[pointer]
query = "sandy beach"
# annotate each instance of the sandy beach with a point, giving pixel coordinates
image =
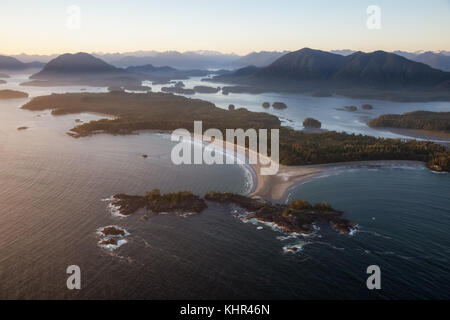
(271, 187)
(275, 187)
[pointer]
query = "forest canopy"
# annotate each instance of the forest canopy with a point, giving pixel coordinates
(422, 120)
(160, 111)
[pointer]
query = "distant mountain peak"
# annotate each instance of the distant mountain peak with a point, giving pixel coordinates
(75, 63)
(10, 63)
(378, 69)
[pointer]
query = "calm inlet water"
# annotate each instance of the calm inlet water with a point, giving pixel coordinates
(51, 205)
(327, 110)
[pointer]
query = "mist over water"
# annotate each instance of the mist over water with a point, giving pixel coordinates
(51, 205)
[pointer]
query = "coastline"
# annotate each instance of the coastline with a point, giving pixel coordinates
(278, 187)
(439, 137)
(336, 168)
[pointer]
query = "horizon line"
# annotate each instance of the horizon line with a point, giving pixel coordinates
(212, 51)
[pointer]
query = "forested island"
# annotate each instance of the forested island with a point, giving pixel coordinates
(420, 120)
(160, 111)
(206, 89)
(178, 90)
(311, 123)
(279, 105)
(299, 216)
(155, 202)
(300, 148)
(147, 111)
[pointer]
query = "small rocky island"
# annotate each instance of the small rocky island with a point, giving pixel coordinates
(12, 94)
(367, 107)
(241, 89)
(351, 108)
(310, 123)
(279, 105)
(177, 90)
(206, 89)
(266, 105)
(298, 217)
(112, 237)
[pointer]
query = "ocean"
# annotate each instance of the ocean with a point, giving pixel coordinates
(51, 205)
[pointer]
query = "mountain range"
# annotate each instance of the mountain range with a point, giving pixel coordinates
(13, 64)
(166, 73)
(378, 74)
(175, 59)
(312, 70)
(216, 60)
(258, 59)
(82, 69)
(438, 60)
(85, 69)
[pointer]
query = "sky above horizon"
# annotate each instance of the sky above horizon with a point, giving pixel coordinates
(231, 26)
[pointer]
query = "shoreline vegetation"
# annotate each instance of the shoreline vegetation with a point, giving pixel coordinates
(297, 217)
(172, 112)
(417, 120)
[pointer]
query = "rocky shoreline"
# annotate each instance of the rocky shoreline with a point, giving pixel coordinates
(297, 217)
(112, 237)
(180, 202)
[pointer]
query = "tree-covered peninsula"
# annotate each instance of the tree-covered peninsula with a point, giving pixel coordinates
(159, 111)
(420, 120)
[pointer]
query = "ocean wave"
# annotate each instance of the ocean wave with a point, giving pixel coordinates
(245, 217)
(374, 233)
(329, 245)
(288, 237)
(354, 230)
(437, 172)
(294, 248)
(186, 214)
(112, 247)
(114, 209)
(391, 253)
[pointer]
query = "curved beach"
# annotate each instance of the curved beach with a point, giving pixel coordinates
(276, 187)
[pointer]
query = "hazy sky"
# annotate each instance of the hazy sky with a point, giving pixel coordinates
(239, 26)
